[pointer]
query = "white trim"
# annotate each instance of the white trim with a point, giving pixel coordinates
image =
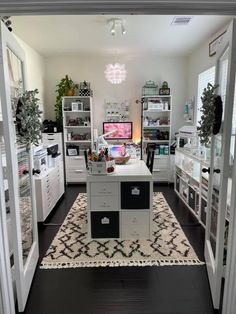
(55, 7)
(6, 287)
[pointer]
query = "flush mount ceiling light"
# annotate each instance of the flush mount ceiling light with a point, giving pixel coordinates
(115, 73)
(116, 24)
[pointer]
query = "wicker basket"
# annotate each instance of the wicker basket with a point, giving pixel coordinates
(122, 160)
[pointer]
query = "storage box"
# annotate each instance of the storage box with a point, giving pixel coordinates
(155, 105)
(101, 167)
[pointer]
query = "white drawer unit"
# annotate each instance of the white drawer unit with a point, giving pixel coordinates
(104, 188)
(104, 202)
(75, 162)
(75, 170)
(135, 217)
(49, 187)
(53, 138)
(134, 231)
(160, 174)
(120, 205)
(161, 163)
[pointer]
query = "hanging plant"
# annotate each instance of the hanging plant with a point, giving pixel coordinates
(28, 122)
(211, 114)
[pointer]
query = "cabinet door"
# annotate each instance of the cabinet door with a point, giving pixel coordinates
(105, 224)
(135, 195)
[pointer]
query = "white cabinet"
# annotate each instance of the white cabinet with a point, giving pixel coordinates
(78, 135)
(49, 187)
(120, 206)
(156, 131)
(53, 138)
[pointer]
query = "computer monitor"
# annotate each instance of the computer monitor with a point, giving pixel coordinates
(122, 130)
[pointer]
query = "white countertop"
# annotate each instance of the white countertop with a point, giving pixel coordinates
(133, 169)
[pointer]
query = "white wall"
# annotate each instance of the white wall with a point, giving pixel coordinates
(198, 62)
(35, 68)
(140, 69)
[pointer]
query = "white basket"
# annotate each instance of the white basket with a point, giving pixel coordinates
(100, 167)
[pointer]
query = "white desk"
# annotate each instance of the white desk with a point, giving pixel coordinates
(120, 204)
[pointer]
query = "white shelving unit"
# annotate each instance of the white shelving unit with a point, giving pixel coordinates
(78, 135)
(156, 129)
(191, 185)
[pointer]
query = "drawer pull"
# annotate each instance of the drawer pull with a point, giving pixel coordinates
(105, 221)
(80, 171)
(135, 191)
(134, 220)
(135, 233)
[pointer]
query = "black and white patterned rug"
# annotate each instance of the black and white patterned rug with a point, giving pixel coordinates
(71, 248)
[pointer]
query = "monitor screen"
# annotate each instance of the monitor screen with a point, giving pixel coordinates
(122, 130)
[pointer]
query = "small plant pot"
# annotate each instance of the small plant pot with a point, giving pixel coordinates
(70, 92)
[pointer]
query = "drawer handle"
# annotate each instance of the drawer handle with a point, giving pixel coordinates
(105, 221)
(80, 171)
(134, 220)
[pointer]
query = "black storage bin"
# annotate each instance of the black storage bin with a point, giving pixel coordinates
(105, 224)
(203, 212)
(192, 198)
(135, 195)
(177, 182)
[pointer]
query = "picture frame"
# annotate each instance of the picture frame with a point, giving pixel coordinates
(77, 106)
(214, 44)
(72, 151)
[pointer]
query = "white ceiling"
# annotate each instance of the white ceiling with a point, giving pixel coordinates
(146, 34)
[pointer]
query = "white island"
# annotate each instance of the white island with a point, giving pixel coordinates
(120, 204)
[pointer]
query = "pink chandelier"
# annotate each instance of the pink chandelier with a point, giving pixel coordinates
(115, 73)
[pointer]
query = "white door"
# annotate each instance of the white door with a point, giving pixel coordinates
(6, 288)
(219, 178)
(19, 169)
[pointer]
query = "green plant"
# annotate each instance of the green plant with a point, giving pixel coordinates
(65, 85)
(28, 122)
(208, 114)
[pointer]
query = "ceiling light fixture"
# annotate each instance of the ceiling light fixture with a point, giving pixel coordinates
(116, 24)
(113, 31)
(115, 73)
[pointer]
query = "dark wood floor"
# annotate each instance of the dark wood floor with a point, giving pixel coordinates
(127, 290)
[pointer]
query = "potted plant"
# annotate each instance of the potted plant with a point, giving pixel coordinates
(66, 87)
(28, 119)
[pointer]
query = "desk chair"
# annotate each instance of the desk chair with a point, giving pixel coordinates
(150, 157)
(86, 158)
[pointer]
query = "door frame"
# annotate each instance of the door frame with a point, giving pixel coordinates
(160, 7)
(23, 272)
(210, 7)
(6, 287)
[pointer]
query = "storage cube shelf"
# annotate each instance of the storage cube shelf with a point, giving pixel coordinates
(191, 185)
(78, 135)
(156, 129)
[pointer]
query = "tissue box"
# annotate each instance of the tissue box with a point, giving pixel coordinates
(101, 167)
